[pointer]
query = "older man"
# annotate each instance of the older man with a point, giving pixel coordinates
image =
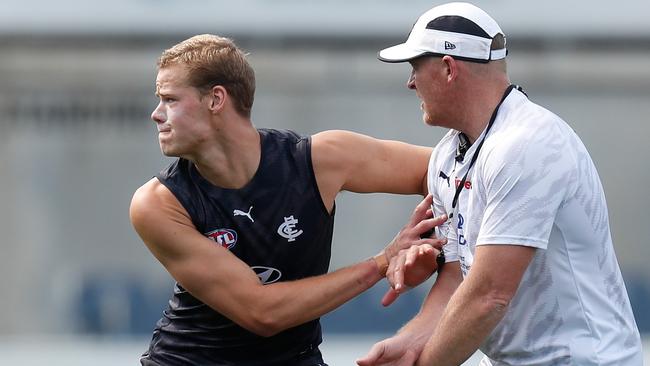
(531, 276)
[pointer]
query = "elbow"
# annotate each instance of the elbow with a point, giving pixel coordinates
(264, 323)
(496, 304)
(258, 311)
(256, 319)
(499, 307)
(264, 327)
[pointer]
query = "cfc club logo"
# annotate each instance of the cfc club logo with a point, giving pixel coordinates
(288, 229)
(227, 238)
(267, 274)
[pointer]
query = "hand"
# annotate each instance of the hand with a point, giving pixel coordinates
(394, 351)
(420, 222)
(408, 269)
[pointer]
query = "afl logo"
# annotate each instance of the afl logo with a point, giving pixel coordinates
(227, 238)
(267, 274)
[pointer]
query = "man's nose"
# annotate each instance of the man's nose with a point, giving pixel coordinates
(410, 83)
(157, 115)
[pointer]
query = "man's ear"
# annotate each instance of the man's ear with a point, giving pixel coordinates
(217, 98)
(451, 68)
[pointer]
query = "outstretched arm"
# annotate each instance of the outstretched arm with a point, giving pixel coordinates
(225, 283)
(345, 160)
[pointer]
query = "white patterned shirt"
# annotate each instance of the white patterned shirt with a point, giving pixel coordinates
(534, 184)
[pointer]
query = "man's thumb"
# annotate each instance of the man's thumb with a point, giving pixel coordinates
(373, 355)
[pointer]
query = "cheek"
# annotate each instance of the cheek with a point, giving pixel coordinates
(177, 116)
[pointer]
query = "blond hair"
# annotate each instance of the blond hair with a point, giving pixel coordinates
(212, 60)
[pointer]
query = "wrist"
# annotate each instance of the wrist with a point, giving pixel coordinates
(381, 260)
(417, 337)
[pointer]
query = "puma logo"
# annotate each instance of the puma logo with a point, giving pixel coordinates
(242, 213)
(445, 177)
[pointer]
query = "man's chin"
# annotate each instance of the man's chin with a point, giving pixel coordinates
(167, 151)
(428, 120)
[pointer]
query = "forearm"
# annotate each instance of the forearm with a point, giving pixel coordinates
(287, 304)
(422, 326)
(478, 305)
(464, 325)
(419, 329)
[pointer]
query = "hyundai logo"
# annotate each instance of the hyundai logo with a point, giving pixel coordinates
(267, 274)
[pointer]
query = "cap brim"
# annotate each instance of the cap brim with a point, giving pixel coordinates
(399, 53)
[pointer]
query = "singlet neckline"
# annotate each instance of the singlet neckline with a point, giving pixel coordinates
(211, 188)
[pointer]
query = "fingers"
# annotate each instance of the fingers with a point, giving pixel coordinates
(395, 272)
(422, 260)
(421, 209)
(409, 268)
(427, 224)
(389, 352)
(412, 235)
(433, 242)
(421, 223)
(420, 254)
(413, 253)
(389, 297)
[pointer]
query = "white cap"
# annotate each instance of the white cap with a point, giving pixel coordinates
(461, 30)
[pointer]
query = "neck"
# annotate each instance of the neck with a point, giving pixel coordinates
(477, 116)
(233, 156)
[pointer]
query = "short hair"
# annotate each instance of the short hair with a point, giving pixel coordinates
(498, 42)
(212, 60)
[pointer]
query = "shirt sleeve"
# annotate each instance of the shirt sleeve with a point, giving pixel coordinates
(525, 184)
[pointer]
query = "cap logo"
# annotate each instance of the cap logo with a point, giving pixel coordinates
(449, 45)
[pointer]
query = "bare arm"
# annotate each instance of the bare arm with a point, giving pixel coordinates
(225, 283)
(345, 160)
(478, 305)
(405, 347)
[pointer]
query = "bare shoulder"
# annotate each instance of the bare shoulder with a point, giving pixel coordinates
(146, 192)
(153, 207)
(149, 198)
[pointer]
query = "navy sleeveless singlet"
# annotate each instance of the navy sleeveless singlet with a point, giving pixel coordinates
(279, 226)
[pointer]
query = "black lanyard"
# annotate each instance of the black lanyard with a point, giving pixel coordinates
(459, 188)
